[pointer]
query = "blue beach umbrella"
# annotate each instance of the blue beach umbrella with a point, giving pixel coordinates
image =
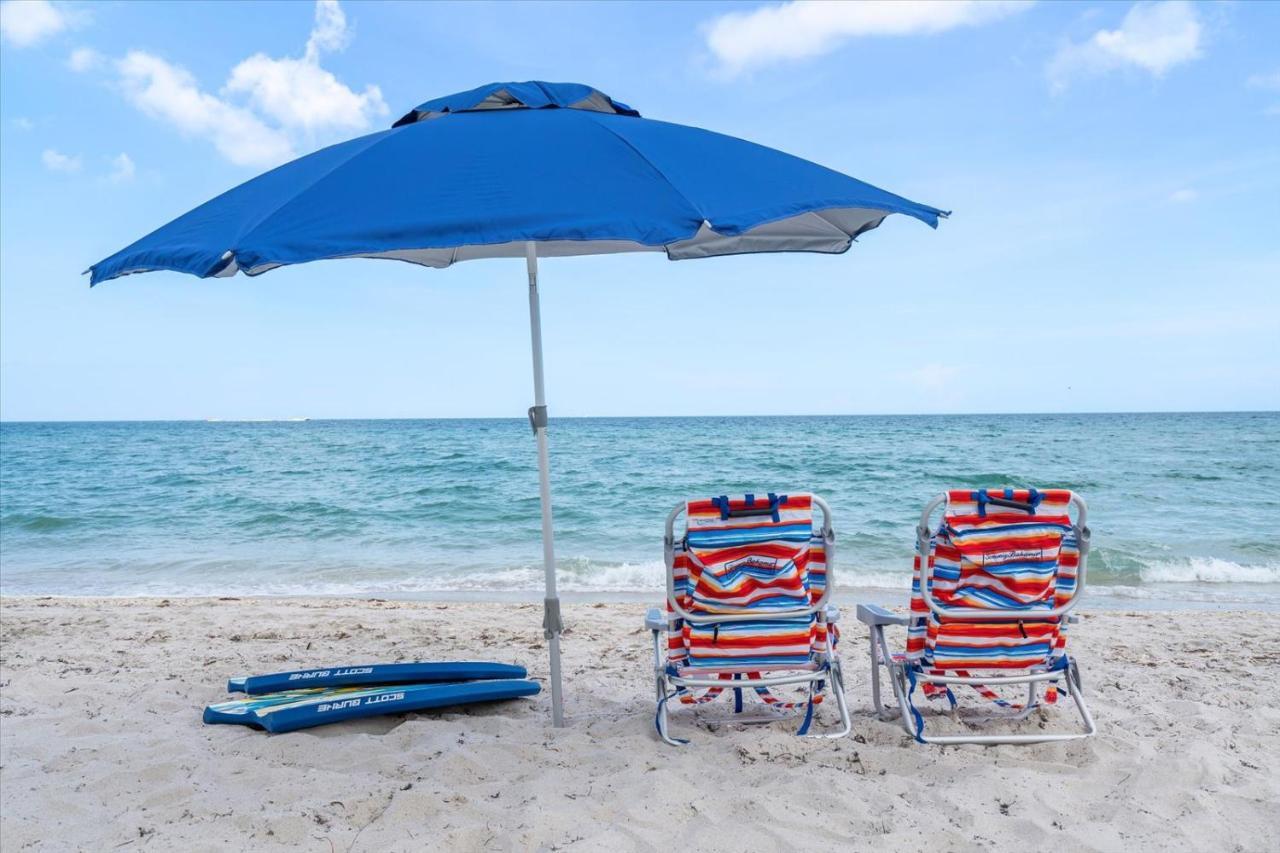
(521, 170)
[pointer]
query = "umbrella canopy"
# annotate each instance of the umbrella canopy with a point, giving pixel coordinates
(481, 173)
(521, 170)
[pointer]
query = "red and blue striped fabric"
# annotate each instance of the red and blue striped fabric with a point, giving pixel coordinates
(750, 564)
(987, 556)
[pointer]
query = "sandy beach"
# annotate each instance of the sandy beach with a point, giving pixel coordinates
(103, 747)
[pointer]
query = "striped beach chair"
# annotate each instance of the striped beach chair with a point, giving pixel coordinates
(747, 609)
(991, 596)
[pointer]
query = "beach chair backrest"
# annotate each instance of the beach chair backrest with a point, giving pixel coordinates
(753, 554)
(1007, 550)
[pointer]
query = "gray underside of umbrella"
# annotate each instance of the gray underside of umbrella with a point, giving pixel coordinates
(826, 231)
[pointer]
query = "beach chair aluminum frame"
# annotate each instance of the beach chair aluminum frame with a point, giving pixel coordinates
(659, 623)
(876, 618)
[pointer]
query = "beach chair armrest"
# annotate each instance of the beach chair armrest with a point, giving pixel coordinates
(870, 614)
(655, 619)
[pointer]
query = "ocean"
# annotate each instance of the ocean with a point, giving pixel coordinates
(1183, 507)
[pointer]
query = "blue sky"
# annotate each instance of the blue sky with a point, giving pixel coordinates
(1114, 171)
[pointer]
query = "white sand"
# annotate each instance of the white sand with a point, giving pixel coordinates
(101, 744)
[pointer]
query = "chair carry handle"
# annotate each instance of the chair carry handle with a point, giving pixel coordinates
(751, 512)
(1025, 507)
(1029, 506)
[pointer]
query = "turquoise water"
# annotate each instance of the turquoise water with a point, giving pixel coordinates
(1182, 505)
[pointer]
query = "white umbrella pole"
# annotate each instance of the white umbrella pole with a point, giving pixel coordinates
(551, 623)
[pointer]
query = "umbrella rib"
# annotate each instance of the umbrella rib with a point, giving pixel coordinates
(303, 190)
(906, 203)
(652, 166)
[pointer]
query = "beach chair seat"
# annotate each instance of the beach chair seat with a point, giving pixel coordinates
(747, 610)
(992, 591)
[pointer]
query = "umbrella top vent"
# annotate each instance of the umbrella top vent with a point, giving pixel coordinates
(531, 95)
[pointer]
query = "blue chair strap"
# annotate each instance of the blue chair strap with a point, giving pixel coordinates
(726, 512)
(808, 716)
(982, 497)
(916, 717)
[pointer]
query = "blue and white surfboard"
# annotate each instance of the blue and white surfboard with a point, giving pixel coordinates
(300, 709)
(375, 673)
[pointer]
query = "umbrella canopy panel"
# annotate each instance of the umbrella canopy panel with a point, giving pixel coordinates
(482, 173)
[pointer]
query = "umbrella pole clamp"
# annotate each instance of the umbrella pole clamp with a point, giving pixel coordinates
(537, 418)
(552, 624)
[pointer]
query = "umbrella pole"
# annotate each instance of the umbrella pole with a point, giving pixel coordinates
(551, 623)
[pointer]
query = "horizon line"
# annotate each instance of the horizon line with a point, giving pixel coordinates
(305, 419)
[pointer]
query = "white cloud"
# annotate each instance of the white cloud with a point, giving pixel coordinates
(84, 59)
(27, 22)
(122, 169)
(23, 123)
(267, 107)
(329, 33)
(1153, 37)
(1183, 196)
(808, 28)
(300, 95)
(170, 93)
(56, 161)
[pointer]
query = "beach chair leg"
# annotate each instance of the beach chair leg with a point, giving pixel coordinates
(1074, 686)
(842, 705)
(881, 657)
(875, 673)
(661, 719)
(1071, 684)
(659, 667)
(662, 722)
(836, 677)
(898, 680)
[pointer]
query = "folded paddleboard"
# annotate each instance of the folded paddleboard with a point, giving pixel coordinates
(376, 673)
(299, 709)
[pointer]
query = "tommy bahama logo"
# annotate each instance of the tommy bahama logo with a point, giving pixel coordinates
(768, 564)
(1015, 556)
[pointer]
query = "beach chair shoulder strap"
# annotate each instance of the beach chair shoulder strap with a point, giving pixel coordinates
(1007, 499)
